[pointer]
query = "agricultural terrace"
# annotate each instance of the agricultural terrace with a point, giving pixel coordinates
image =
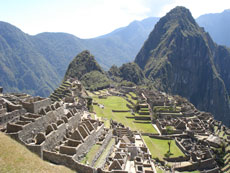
(119, 103)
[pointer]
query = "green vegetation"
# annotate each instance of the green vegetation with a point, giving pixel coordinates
(16, 158)
(159, 147)
(128, 74)
(105, 153)
(132, 72)
(118, 103)
(95, 80)
(90, 155)
(159, 170)
(88, 71)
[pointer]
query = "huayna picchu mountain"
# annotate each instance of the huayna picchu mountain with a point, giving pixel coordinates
(85, 68)
(179, 57)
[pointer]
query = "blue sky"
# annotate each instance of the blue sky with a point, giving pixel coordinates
(91, 18)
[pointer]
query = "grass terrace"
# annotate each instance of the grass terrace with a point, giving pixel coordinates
(159, 147)
(130, 98)
(118, 103)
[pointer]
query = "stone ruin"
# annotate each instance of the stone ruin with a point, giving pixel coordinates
(129, 153)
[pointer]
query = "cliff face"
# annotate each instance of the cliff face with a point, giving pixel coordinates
(180, 58)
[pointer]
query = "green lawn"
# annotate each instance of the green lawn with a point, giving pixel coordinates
(159, 147)
(90, 155)
(118, 103)
(159, 170)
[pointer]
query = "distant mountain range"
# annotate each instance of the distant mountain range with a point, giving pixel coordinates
(218, 26)
(37, 64)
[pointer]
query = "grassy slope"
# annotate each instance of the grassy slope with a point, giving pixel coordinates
(160, 147)
(16, 158)
(118, 103)
(90, 155)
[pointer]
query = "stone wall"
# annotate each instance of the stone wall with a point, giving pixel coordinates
(37, 149)
(203, 164)
(160, 137)
(67, 161)
(8, 116)
(103, 146)
(55, 137)
(40, 125)
(75, 120)
(34, 107)
(181, 147)
(177, 159)
(142, 118)
(120, 110)
(89, 142)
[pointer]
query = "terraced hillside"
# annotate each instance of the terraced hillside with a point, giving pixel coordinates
(115, 108)
(61, 92)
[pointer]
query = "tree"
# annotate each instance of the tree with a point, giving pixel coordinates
(169, 144)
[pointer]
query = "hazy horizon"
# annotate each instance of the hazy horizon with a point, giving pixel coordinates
(93, 18)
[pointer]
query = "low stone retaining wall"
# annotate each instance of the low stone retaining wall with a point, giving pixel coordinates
(144, 113)
(204, 164)
(120, 110)
(149, 134)
(130, 117)
(129, 101)
(142, 118)
(67, 161)
(215, 170)
(161, 137)
(129, 106)
(178, 159)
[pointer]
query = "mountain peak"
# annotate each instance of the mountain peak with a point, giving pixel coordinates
(178, 57)
(83, 63)
(180, 17)
(177, 23)
(85, 68)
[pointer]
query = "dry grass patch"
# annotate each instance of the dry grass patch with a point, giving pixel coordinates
(14, 157)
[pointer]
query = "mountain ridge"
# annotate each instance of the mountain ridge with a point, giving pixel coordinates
(52, 52)
(178, 57)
